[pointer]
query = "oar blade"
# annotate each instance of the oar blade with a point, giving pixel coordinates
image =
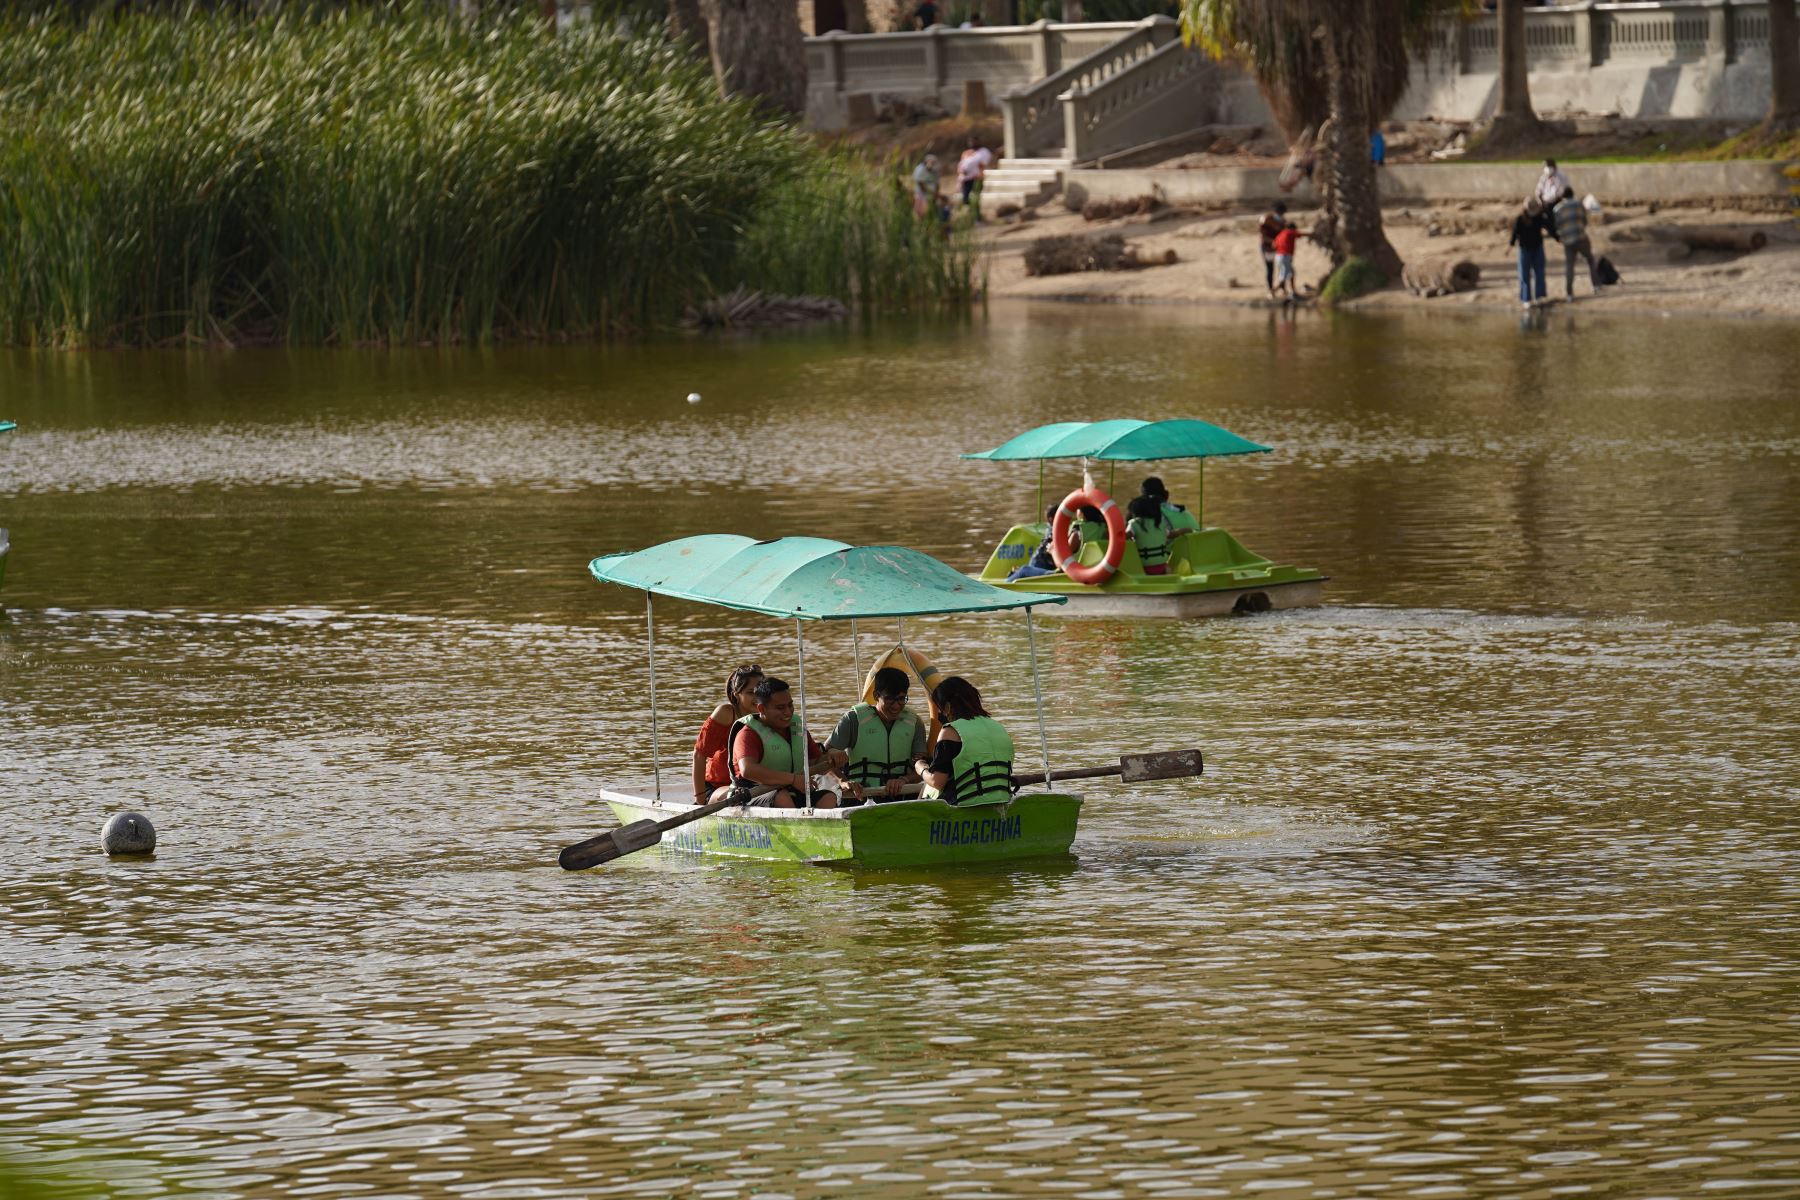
(615, 843)
(1164, 764)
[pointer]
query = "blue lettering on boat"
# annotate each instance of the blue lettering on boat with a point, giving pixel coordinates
(983, 832)
(746, 836)
(1012, 550)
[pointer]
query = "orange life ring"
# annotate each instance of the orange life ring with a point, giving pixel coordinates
(1066, 512)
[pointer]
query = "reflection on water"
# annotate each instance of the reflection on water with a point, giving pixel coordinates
(1489, 888)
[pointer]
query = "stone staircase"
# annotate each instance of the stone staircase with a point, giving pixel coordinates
(1026, 182)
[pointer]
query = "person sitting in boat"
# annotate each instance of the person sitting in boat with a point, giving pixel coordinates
(712, 748)
(1175, 517)
(1146, 529)
(875, 745)
(971, 764)
(1089, 531)
(1043, 559)
(764, 752)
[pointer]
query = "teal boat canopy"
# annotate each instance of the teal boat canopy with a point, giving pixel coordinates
(810, 579)
(1122, 441)
(6, 425)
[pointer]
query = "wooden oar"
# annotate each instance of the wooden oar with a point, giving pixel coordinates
(628, 839)
(1132, 768)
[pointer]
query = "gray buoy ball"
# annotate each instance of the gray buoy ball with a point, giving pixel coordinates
(128, 833)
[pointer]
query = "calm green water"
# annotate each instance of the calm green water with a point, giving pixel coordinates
(1492, 887)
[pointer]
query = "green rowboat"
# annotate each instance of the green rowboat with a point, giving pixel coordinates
(816, 579)
(905, 833)
(1210, 573)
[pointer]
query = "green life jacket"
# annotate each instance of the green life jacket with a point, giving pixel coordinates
(880, 753)
(1178, 518)
(1152, 541)
(982, 771)
(1093, 533)
(778, 753)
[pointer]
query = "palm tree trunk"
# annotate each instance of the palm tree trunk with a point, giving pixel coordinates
(1513, 116)
(1784, 68)
(1352, 205)
(757, 52)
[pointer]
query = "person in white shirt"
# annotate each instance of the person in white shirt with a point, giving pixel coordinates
(1551, 185)
(971, 169)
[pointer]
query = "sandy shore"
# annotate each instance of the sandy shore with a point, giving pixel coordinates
(1219, 261)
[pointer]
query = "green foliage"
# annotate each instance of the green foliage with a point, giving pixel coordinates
(1356, 277)
(391, 175)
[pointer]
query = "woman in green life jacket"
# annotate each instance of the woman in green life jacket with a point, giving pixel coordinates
(875, 745)
(1147, 530)
(1175, 517)
(972, 761)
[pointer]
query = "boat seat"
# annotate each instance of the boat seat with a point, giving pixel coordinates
(1215, 552)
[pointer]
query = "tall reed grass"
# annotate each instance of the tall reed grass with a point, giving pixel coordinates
(395, 175)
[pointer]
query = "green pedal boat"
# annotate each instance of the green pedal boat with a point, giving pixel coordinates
(1207, 571)
(807, 579)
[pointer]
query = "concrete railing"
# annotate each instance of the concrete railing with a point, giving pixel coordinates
(1035, 118)
(933, 64)
(1158, 96)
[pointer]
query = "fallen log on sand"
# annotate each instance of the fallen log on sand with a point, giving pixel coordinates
(1440, 276)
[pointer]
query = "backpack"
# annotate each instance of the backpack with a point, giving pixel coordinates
(1605, 272)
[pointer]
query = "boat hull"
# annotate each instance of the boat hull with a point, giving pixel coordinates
(1305, 593)
(907, 833)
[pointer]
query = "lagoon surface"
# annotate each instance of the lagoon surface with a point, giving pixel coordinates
(1491, 888)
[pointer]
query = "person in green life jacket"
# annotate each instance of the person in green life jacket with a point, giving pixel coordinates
(1090, 530)
(1147, 530)
(875, 745)
(1176, 519)
(971, 764)
(765, 752)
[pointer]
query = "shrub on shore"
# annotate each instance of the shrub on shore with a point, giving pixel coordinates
(395, 175)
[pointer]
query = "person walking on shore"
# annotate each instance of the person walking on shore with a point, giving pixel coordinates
(1528, 230)
(1272, 224)
(971, 169)
(1571, 230)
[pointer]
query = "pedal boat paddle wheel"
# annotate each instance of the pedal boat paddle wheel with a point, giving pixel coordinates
(804, 580)
(1210, 573)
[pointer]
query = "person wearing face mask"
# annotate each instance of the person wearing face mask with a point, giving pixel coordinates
(875, 745)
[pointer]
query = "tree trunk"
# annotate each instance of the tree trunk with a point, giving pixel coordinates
(1513, 115)
(686, 27)
(1784, 67)
(1345, 173)
(758, 53)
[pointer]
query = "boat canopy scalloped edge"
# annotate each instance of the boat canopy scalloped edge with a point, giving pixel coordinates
(806, 578)
(1122, 440)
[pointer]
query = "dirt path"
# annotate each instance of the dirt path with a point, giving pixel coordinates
(1220, 263)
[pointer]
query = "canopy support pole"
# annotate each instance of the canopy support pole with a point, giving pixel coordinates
(650, 628)
(1112, 478)
(1037, 694)
(856, 652)
(1200, 491)
(805, 771)
(1040, 504)
(900, 631)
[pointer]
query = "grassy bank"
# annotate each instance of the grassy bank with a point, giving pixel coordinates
(397, 176)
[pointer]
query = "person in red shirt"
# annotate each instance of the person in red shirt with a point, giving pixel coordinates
(762, 752)
(712, 760)
(1285, 242)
